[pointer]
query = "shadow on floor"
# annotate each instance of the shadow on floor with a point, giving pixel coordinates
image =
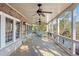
(39, 46)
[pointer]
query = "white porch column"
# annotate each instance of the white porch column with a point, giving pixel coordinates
(52, 28)
(26, 29)
(58, 29)
(14, 30)
(3, 43)
(73, 28)
(20, 30)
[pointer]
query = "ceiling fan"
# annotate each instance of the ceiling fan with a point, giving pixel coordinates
(40, 11)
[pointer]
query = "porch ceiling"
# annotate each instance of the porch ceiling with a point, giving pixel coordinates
(29, 9)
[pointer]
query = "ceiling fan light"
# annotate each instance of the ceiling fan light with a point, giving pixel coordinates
(39, 22)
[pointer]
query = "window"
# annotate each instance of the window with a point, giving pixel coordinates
(55, 29)
(24, 29)
(65, 29)
(51, 29)
(55, 26)
(27, 29)
(65, 24)
(9, 29)
(17, 29)
(30, 29)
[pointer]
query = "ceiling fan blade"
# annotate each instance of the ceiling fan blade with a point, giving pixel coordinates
(42, 14)
(46, 12)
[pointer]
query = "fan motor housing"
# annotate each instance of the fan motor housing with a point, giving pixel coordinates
(39, 4)
(39, 11)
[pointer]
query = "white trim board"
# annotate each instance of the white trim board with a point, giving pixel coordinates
(2, 13)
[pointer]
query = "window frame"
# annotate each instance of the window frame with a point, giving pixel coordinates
(3, 33)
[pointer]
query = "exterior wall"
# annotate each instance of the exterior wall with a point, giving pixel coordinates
(9, 49)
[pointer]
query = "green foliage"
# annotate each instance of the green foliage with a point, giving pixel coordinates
(65, 27)
(41, 27)
(33, 27)
(77, 29)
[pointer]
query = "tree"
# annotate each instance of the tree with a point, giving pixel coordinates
(42, 27)
(65, 26)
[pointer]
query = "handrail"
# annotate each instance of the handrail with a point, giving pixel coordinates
(62, 36)
(76, 41)
(67, 48)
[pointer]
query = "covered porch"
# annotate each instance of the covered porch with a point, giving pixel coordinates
(23, 32)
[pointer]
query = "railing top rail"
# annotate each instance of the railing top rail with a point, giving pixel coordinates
(76, 41)
(62, 36)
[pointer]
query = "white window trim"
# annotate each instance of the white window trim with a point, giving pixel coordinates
(2, 42)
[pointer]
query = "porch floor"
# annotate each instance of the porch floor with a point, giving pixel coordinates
(39, 46)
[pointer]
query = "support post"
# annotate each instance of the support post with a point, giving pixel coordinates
(58, 29)
(14, 30)
(73, 32)
(3, 32)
